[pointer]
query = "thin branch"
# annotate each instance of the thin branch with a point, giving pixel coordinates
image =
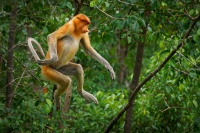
(53, 10)
(187, 14)
(22, 76)
(13, 81)
(50, 128)
(168, 107)
(173, 107)
(127, 3)
(107, 14)
(25, 5)
(198, 68)
(23, 65)
(151, 75)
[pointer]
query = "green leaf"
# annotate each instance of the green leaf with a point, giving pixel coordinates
(161, 44)
(69, 5)
(149, 29)
(129, 39)
(123, 35)
(180, 87)
(191, 12)
(107, 4)
(136, 26)
(49, 102)
(45, 30)
(47, 108)
(198, 32)
(92, 3)
(196, 38)
(163, 4)
(195, 103)
(192, 74)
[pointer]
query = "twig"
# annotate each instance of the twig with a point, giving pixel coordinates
(127, 3)
(50, 128)
(53, 10)
(187, 14)
(189, 60)
(107, 14)
(22, 65)
(22, 76)
(12, 82)
(168, 107)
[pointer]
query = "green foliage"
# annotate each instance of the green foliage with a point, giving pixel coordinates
(168, 103)
(32, 115)
(89, 118)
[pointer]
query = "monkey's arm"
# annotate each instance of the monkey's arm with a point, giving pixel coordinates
(85, 42)
(52, 44)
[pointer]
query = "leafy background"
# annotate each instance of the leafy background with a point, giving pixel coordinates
(167, 103)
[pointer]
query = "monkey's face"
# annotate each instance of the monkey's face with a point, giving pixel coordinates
(82, 23)
(85, 28)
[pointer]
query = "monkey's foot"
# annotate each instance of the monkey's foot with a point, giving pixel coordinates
(89, 97)
(57, 102)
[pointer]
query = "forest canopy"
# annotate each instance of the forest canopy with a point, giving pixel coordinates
(153, 47)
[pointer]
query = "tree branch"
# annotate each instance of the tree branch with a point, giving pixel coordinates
(107, 14)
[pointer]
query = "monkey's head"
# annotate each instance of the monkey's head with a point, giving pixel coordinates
(81, 23)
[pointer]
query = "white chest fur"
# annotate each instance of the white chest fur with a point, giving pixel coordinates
(70, 47)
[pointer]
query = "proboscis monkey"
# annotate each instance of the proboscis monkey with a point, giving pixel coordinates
(63, 44)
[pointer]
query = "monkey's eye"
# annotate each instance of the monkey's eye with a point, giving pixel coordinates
(85, 23)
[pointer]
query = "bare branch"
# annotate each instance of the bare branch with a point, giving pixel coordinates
(23, 65)
(107, 14)
(127, 3)
(22, 76)
(187, 14)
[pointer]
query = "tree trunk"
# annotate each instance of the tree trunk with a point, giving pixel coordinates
(1, 60)
(136, 73)
(78, 4)
(134, 83)
(11, 42)
(121, 52)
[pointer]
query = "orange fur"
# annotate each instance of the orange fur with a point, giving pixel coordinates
(66, 40)
(63, 45)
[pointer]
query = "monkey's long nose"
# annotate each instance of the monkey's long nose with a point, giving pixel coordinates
(87, 30)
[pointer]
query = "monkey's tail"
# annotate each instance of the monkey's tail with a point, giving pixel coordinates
(35, 55)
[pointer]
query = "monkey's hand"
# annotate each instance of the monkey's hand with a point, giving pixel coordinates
(89, 97)
(47, 61)
(43, 62)
(112, 73)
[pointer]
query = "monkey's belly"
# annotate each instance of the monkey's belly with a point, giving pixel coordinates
(69, 50)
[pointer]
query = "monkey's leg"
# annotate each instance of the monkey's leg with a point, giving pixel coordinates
(62, 81)
(76, 70)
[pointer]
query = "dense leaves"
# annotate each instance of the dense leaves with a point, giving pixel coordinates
(170, 102)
